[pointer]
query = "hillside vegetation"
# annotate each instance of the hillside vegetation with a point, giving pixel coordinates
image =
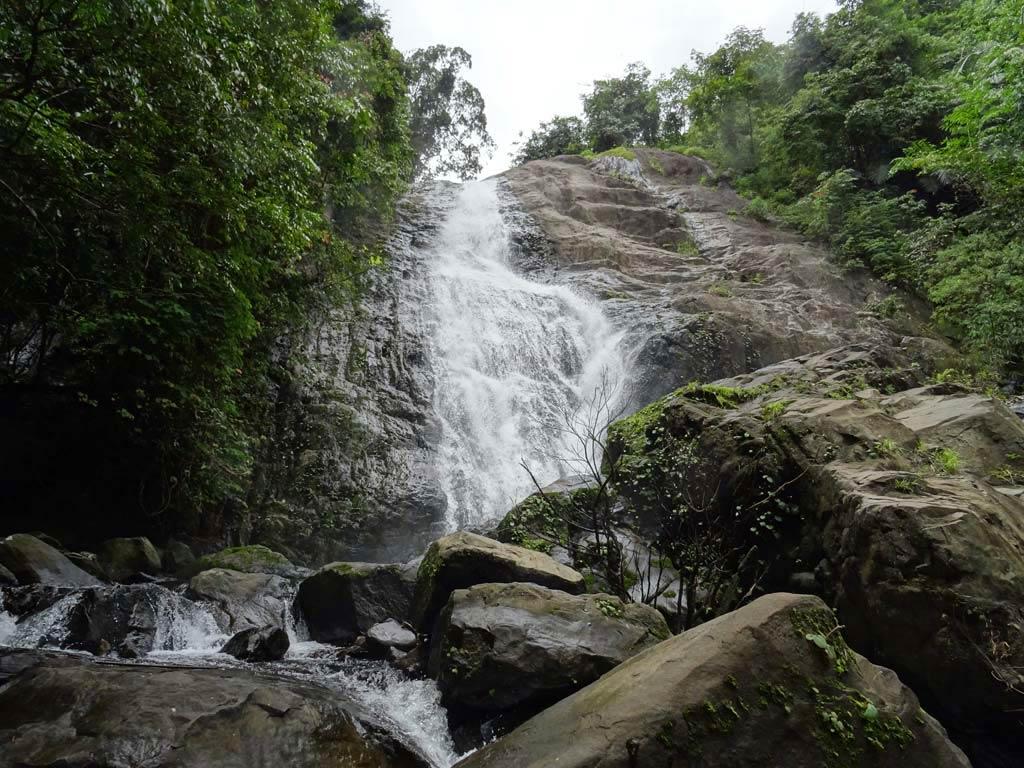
(891, 130)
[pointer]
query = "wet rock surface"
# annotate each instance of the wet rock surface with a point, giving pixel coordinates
(747, 689)
(499, 647)
(391, 634)
(258, 644)
(243, 600)
(344, 600)
(62, 711)
(354, 436)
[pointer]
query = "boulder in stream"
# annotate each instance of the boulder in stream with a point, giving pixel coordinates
(391, 634)
(125, 558)
(503, 646)
(243, 600)
(254, 558)
(33, 561)
(258, 644)
(463, 559)
(770, 684)
(344, 600)
(62, 710)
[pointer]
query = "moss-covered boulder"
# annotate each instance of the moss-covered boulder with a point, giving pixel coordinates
(32, 561)
(344, 600)
(254, 558)
(771, 684)
(542, 520)
(464, 559)
(500, 647)
(126, 558)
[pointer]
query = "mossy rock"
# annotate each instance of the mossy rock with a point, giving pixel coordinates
(254, 558)
(464, 559)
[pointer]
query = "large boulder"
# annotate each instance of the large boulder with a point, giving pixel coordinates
(499, 647)
(254, 558)
(71, 711)
(243, 600)
(126, 558)
(89, 563)
(463, 559)
(258, 644)
(178, 557)
(390, 634)
(344, 600)
(905, 496)
(35, 562)
(7, 579)
(768, 685)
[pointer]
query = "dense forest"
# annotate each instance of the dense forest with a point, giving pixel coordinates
(892, 130)
(183, 184)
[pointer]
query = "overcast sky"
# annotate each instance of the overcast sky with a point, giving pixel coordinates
(533, 58)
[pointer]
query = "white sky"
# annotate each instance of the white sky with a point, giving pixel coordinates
(533, 58)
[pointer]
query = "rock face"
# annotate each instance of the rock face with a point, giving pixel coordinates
(243, 600)
(701, 291)
(909, 503)
(35, 562)
(124, 558)
(463, 559)
(344, 600)
(70, 711)
(354, 432)
(747, 689)
(258, 644)
(502, 646)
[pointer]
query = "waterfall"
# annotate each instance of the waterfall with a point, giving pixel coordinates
(512, 358)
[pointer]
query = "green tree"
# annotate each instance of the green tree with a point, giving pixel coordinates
(559, 136)
(622, 111)
(166, 173)
(448, 122)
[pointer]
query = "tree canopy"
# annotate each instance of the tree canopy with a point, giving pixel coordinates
(892, 130)
(182, 184)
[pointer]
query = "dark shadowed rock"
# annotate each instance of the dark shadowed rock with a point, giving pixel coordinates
(463, 560)
(67, 711)
(35, 562)
(7, 579)
(178, 557)
(343, 600)
(391, 634)
(258, 644)
(771, 684)
(89, 563)
(124, 558)
(501, 646)
(243, 600)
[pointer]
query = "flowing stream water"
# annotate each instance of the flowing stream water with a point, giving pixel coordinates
(513, 357)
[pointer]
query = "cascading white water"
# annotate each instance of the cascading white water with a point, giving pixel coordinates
(512, 357)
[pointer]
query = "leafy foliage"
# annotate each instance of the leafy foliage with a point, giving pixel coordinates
(449, 126)
(166, 173)
(559, 136)
(622, 111)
